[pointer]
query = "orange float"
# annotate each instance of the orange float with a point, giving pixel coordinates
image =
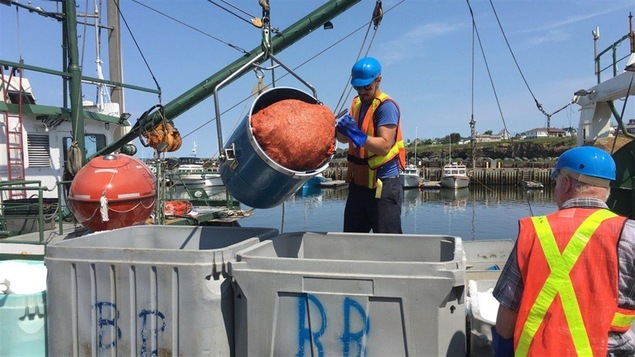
(112, 191)
(177, 207)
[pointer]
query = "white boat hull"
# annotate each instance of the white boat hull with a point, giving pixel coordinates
(410, 180)
(410, 177)
(454, 176)
(452, 181)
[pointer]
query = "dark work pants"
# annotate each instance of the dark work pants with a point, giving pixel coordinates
(364, 212)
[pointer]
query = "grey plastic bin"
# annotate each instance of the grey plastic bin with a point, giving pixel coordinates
(144, 291)
(339, 294)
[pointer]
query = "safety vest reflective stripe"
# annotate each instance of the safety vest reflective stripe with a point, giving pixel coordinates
(376, 160)
(559, 282)
(622, 321)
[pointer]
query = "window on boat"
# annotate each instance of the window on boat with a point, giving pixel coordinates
(27, 98)
(38, 150)
(92, 143)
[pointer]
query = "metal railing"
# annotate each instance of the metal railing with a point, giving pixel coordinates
(613, 50)
(31, 209)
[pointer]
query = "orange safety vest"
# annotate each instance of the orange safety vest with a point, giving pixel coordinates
(363, 164)
(570, 296)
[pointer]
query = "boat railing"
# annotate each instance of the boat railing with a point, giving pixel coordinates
(616, 57)
(34, 214)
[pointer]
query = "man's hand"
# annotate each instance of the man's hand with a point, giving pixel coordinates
(347, 126)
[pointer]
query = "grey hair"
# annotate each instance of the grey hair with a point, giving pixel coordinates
(583, 189)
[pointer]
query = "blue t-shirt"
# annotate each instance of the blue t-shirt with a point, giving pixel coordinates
(386, 114)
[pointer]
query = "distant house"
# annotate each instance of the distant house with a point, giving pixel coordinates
(545, 133)
(488, 138)
(536, 133)
(557, 133)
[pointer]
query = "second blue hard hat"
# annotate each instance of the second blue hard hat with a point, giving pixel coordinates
(365, 71)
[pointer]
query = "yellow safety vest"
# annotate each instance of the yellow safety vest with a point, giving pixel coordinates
(363, 164)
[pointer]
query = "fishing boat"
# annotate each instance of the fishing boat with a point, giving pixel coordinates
(194, 172)
(454, 175)
(410, 177)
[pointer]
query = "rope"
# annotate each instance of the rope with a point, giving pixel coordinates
(489, 73)
(376, 17)
(74, 159)
(531, 211)
(17, 18)
(231, 12)
(239, 49)
(81, 62)
(103, 207)
(538, 105)
(139, 49)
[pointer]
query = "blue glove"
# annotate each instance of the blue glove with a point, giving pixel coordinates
(347, 126)
(503, 347)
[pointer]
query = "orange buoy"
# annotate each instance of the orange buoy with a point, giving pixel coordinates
(112, 191)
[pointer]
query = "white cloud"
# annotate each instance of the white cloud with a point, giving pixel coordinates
(412, 41)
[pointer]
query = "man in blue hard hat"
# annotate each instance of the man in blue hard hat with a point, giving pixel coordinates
(568, 287)
(375, 154)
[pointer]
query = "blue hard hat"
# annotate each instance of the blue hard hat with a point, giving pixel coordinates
(587, 161)
(365, 71)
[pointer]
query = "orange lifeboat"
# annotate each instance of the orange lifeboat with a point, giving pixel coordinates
(112, 191)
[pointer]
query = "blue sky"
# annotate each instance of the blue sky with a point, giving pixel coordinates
(425, 48)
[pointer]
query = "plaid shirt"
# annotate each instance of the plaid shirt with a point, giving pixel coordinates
(509, 288)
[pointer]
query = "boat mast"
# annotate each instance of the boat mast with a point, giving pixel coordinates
(416, 139)
(75, 80)
(115, 69)
(473, 140)
(206, 88)
(103, 97)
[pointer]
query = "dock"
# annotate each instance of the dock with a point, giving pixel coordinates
(430, 184)
(480, 176)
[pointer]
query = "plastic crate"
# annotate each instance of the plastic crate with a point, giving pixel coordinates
(144, 291)
(350, 294)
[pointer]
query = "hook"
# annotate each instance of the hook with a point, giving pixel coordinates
(260, 86)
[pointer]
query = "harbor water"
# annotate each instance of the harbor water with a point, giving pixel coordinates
(474, 213)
